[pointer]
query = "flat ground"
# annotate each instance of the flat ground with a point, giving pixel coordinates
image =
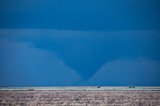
(81, 97)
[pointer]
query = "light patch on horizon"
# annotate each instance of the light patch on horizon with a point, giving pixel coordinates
(23, 65)
(124, 72)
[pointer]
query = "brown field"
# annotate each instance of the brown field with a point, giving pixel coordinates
(79, 97)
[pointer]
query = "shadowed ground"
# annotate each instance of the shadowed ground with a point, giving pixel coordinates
(71, 96)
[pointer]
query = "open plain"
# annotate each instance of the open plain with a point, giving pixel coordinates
(80, 96)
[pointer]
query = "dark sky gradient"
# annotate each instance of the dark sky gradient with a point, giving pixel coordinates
(81, 14)
(79, 42)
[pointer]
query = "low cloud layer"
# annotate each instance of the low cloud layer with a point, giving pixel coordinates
(124, 72)
(23, 65)
(87, 51)
(101, 58)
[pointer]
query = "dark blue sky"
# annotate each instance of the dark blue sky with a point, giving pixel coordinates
(81, 14)
(83, 42)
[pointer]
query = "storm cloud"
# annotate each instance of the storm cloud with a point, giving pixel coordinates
(87, 51)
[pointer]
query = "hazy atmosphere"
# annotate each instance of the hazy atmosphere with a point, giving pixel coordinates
(83, 42)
